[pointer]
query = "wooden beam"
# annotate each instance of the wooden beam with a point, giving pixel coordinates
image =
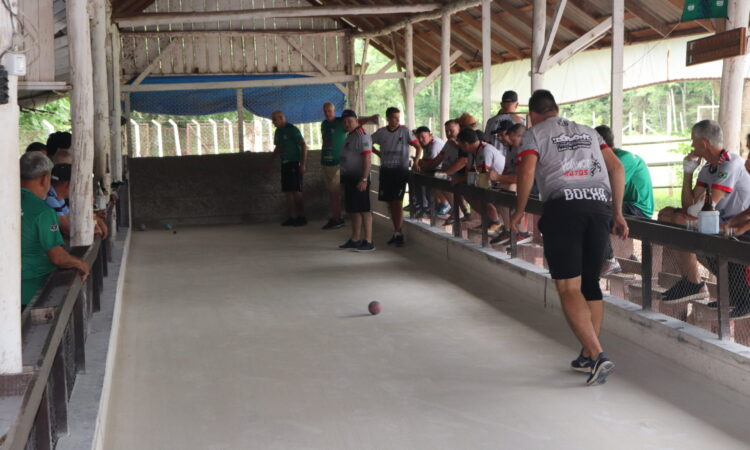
(152, 65)
(102, 141)
(445, 69)
(496, 37)
(539, 22)
(301, 81)
(317, 64)
(169, 34)
(550, 37)
(579, 44)
(486, 60)
(176, 18)
(451, 8)
(82, 119)
(618, 62)
(643, 13)
(429, 79)
(411, 119)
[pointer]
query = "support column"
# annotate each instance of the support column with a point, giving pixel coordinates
(733, 82)
(10, 218)
(82, 117)
(486, 61)
(538, 30)
(115, 115)
(445, 71)
(102, 139)
(241, 120)
(618, 45)
(411, 120)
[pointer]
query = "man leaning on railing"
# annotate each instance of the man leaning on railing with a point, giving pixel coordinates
(42, 249)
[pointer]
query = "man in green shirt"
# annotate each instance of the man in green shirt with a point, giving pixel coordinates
(291, 148)
(334, 134)
(638, 199)
(41, 242)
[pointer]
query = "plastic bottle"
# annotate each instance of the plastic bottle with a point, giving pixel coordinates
(708, 217)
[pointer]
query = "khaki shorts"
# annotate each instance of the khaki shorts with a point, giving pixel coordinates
(332, 178)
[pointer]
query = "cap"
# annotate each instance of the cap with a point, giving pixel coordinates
(466, 120)
(61, 172)
(348, 113)
(422, 129)
(510, 97)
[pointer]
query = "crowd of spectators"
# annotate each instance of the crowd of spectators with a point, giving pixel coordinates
(46, 171)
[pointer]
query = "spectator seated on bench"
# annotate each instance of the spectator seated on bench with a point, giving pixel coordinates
(41, 242)
(728, 185)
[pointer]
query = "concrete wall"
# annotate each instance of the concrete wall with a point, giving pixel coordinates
(217, 189)
(724, 362)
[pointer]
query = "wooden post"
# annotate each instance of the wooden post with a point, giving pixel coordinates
(351, 100)
(102, 139)
(241, 120)
(115, 115)
(733, 82)
(129, 126)
(539, 25)
(82, 115)
(618, 45)
(10, 218)
(445, 71)
(486, 61)
(411, 119)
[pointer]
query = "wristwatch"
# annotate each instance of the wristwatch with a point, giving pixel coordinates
(364, 179)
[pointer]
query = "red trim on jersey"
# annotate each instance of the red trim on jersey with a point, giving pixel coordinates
(701, 184)
(359, 130)
(528, 152)
(364, 152)
(728, 190)
(603, 146)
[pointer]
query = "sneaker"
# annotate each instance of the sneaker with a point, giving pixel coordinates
(449, 221)
(420, 214)
(610, 266)
(685, 290)
(300, 221)
(523, 238)
(601, 370)
(333, 224)
(288, 222)
(494, 227)
(582, 363)
(399, 240)
(444, 209)
(392, 240)
(350, 244)
(502, 239)
(365, 246)
(740, 312)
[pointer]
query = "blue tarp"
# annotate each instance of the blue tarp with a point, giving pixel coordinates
(301, 104)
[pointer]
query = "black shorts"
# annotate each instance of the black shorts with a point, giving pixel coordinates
(576, 234)
(355, 201)
(291, 178)
(392, 184)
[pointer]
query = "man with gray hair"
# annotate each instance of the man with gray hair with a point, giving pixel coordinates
(724, 180)
(41, 242)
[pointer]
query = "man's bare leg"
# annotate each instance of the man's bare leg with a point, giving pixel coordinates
(686, 262)
(579, 315)
(397, 215)
(299, 204)
(357, 225)
(597, 317)
(291, 205)
(366, 218)
(335, 205)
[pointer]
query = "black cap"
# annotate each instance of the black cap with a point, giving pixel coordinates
(510, 97)
(423, 129)
(61, 172)
(503, 126)
(348, 113)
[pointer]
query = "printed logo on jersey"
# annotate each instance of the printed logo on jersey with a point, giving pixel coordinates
(580, 169)
(574, 142)
(54, 228)
(723, 175)
(599, 194)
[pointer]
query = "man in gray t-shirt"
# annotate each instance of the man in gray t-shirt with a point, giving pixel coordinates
(725, 173)
(393, 141)
(577, 175)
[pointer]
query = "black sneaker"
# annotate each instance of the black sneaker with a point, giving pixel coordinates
(365, 246)
(582, 363)
(392, 240)
(350, 244)
(300, 221)
(685, 290)
(502, 239)
(399, 240)
(333, 224)
(601, 370)
(288, 222)
(740, 312)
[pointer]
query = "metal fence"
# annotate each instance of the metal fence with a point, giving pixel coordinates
(655, 262)
(178, 137)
